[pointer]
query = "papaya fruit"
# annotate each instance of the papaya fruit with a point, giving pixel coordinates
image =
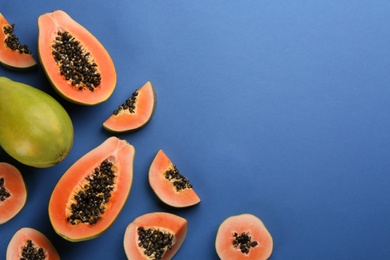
(13, 54)
(13, 192)
(170, 186)
(29, 243)
(35, 129)
(135, 113)
(243, 236)
(155, 235)
(76, 63)
(91, 193)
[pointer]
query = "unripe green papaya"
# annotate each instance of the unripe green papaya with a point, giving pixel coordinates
(34, 127)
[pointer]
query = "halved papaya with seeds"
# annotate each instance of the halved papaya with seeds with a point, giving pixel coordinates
(29, 243)
(76, 63)
(243, 237)
(13, 54)
(135, 113)
(155, 235)
(92, 192)
(170, 186)
(13, 192)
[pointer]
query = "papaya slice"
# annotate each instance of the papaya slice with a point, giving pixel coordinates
(13, 192)
(170, 186)
(29, 243)
(135, 113)
(243, 237)
(141, 239)
(92, 192)
(78, 66)
(13, 54)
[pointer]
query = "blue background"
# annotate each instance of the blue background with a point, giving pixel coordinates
(276, 108)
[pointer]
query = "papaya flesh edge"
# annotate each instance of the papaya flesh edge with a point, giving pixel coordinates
(239, 224)
(13, 59)
(157, 220)
(128, 120)
(122, 154)
(49, 24)
(164, 189)
(38, 239)
(15, 189)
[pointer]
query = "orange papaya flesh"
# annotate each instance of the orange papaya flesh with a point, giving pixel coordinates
(167, 227)
(92, 192)
(170, 186)
(13, 192)
(29, 243)
(243, 237)
(76, 63)
(135, 113)
(13, 54)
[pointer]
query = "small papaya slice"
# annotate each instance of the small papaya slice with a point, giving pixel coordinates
(75, 62)
(92, 192)
(13, 54)
(170, 186)
(135, 113)
(155, 235)
(29, 243)
(243, 237)
(13, 192)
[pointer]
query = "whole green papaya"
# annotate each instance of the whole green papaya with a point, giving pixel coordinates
(35, 129)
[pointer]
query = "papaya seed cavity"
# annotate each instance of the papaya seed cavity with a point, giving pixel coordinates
(32, 251)
(243, 242)
(89, 202)
(179, 181)
(75, 63)
(4, 194)
(154, 242)
(128, 105)
(12, 42)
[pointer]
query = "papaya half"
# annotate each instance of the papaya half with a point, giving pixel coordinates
(91, 193)
(243, 237)
(155, 235)
(135, 113)
(13, 54)
(29, 243)
(76, 63)
(13, 192)
(170, 186)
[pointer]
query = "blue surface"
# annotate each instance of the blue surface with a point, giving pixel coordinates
(276, 108)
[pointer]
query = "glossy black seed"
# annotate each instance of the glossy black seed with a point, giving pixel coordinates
(243, 242)
(129, 104)
(12, 42)
(75, 64)
(31, 251)
(4, 194)
(90, 201)
(154, 242)
(178, 180)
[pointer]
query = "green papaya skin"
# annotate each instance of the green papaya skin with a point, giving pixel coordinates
(34, 127)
